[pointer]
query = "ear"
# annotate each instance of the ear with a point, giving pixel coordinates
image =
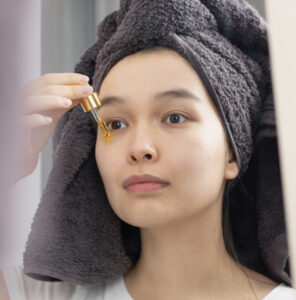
(231, 168)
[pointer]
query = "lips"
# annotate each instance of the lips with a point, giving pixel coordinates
(141, 179)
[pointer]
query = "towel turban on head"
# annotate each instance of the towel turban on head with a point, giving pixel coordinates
(75, 235)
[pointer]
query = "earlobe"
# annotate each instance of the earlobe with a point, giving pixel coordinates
(231, 170)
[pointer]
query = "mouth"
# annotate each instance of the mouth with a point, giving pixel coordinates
(144, 183)
(145, 187)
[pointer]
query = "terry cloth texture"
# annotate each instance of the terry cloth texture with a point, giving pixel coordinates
(75, 234)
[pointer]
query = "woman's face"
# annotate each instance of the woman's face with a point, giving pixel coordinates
(183, 135)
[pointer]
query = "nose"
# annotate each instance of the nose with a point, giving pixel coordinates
(142, 148)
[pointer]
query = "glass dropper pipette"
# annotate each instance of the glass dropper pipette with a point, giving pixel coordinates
(90, 103)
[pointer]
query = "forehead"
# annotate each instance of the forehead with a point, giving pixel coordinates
(149, 70)
(147, 73)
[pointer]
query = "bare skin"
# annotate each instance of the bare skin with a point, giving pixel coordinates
(40, 98)
(244, 286)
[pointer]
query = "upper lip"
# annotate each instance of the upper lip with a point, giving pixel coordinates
(142, 178)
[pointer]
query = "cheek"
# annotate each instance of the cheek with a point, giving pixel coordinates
(198, 166)
(191, 162)
(112, 164)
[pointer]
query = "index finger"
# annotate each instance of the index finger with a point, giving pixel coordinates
(53, 79)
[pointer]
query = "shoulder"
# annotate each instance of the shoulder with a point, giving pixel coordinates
(20, 286)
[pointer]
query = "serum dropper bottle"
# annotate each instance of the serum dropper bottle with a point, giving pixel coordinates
(90, 103)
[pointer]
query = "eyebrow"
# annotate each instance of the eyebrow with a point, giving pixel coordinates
(170, 94)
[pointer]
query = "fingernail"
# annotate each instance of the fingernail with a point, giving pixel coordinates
(47, 120)
(87, 90)
(67, 102)
(83, 78)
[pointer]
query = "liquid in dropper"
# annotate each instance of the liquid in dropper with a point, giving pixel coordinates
(104, 129)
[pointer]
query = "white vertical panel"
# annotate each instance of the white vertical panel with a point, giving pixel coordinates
(24, 196)
(281, 16)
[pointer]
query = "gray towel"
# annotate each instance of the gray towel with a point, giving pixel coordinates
(75, 234)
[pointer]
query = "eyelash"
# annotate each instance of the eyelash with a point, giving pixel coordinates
(170, 114)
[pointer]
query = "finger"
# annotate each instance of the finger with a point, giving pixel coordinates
(53, 79)
(73, 92)
(43, 103)
(33, 121)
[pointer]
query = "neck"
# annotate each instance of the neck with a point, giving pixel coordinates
(187, 255)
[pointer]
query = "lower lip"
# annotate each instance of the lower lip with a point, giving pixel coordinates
(146, 187)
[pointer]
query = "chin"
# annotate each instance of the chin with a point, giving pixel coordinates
(144, 211)
(145, 219)
(136, 220)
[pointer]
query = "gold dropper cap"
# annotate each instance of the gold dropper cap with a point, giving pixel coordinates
(90, 103)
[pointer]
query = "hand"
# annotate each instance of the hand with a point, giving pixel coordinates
(44, 97)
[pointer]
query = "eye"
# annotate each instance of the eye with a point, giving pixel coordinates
(175, 117)
(116, 124)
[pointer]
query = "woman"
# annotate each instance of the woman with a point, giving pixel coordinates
(169, 126)
(178, 137)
